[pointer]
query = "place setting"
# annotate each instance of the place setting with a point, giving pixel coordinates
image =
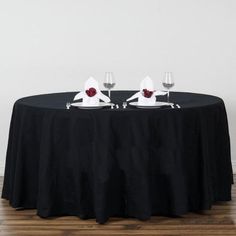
(146, 98)
(92, 97)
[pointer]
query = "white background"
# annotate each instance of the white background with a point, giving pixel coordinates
(54, 45)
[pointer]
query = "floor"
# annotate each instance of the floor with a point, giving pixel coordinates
(220, 220)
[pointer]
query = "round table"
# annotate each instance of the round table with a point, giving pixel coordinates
(118, 162)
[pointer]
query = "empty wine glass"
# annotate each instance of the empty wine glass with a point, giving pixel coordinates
(168, 83)
(109, 82)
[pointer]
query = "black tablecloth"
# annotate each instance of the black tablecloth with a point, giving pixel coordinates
(126, 162)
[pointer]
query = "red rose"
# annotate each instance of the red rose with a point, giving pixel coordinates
(91, 92)
(147, 93)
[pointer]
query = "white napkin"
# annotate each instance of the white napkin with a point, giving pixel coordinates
(147, 94)
(91, 94)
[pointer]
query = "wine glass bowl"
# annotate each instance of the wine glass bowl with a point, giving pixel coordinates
(168, 83)
(109, 82)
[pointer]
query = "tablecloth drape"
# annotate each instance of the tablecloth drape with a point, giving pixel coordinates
(127, 162)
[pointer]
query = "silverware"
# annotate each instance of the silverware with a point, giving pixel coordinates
(68, 105)
(178, 106)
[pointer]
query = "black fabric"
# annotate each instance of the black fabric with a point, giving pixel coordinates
(128, 163)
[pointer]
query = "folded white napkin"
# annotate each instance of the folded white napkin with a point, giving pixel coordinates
(91, 94)
(147, 94)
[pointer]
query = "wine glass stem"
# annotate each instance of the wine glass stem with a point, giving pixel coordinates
(109, 93)
(168, 95)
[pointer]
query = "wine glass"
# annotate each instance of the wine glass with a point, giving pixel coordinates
(109, 82)
(168, 83)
